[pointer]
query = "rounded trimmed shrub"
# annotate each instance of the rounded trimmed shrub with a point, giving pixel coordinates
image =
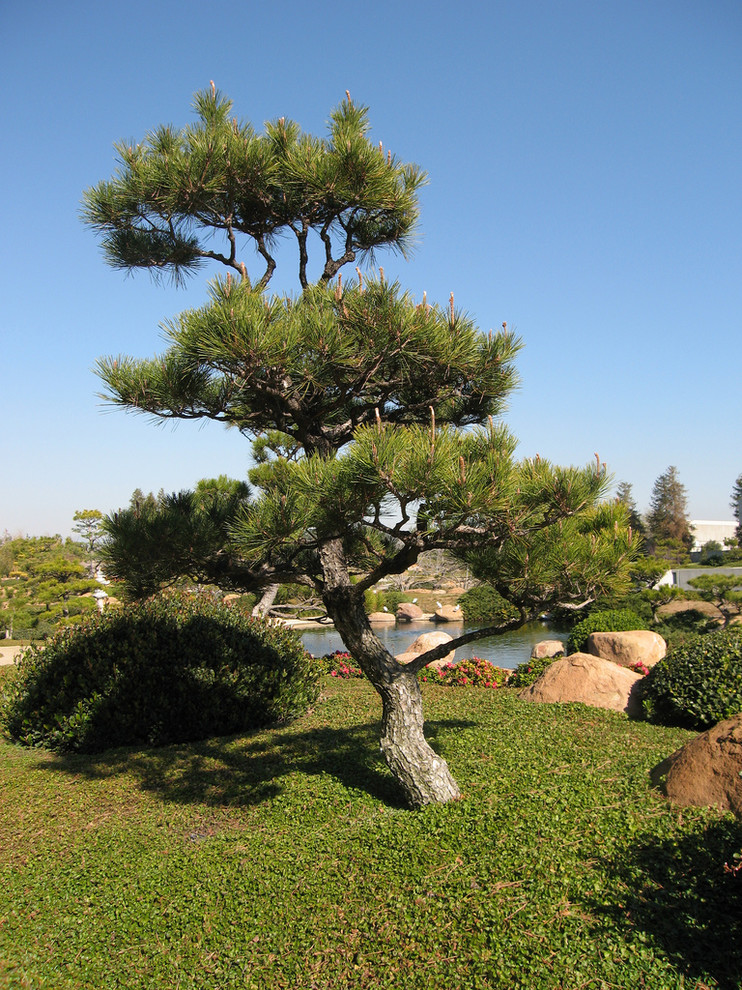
(607, 620)
(682, 628)
(485, 605)
(699, 684)
(174, 668)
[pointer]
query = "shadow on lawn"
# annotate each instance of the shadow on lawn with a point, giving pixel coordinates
(248, 769)
(678, 893)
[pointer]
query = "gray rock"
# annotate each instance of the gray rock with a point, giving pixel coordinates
(448, 613)
(381, 617)
(408, 612)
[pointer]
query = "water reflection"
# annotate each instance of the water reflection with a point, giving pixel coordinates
(507, 650)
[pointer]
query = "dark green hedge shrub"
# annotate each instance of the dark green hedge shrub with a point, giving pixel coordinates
(681, 628)
(699, 684)
(171, 669)
(609, 620)
(484, 605)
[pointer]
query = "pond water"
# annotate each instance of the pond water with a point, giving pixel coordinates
(507, 650)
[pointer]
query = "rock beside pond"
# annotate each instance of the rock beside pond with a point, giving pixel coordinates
(448, 613)
(547, 648)
(381, 617)
(589, 679)
(427, 641)
(707, 770)
(408, 612)
(627, 648)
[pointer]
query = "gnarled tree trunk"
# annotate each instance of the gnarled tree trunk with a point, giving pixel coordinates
(266, 600)
(422, 774)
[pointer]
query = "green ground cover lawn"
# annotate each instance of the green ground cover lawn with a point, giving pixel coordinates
(283, 859)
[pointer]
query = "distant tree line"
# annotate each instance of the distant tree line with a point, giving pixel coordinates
(666, 528)
(45, 582)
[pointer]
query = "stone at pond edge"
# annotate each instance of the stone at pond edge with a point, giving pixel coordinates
(547, 648)
(408, 611)
(448, 613)
(424, 643)
(626, 648)
(588, 679)
(381, 617)
(706, 771)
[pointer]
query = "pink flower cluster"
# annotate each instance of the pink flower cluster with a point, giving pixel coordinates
(339, 666)
(474, 672)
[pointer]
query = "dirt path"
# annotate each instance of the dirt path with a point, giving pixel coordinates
(8, 654)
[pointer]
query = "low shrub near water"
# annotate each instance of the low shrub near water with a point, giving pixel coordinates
(174, 668)
(484, 605)
(699, 684)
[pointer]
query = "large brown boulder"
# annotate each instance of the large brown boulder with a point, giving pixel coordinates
(424, 643)
(547, 648)
(408, 612)
(448, 613)
(627, 648)
(588, 679)
(707, 770)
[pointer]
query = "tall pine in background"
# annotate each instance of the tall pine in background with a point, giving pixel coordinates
(736, 505)
(667, 520)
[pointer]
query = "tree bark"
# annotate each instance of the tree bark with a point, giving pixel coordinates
(267, 599)
(421, 773)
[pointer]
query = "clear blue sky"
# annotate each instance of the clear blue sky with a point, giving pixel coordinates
(585, 186)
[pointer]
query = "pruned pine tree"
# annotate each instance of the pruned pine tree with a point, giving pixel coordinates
(365, 404)
(722, 590)
(88, 524)
(180, 192)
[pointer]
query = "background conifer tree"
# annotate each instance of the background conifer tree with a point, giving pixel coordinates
(667, 520)
(736, 505)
